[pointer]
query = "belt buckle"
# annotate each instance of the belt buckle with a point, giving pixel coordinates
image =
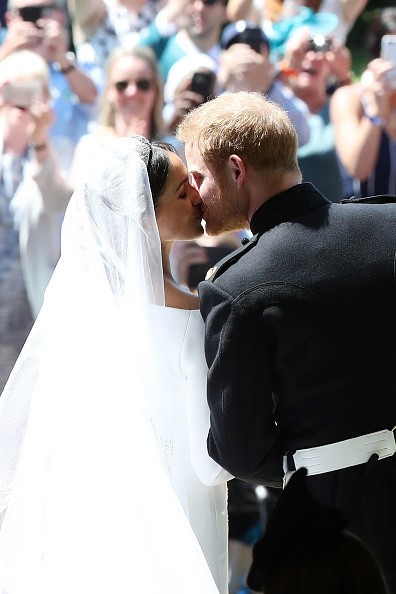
(385, 446)
(289, 468)
(391, 443)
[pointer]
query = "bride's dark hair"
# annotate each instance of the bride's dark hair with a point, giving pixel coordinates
(155, 157)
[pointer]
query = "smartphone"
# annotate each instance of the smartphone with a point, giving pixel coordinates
(388, 48)
(21, 93)
(198, 272)
(252, 37)
(203, 84)
(388, 52)
(34, 13)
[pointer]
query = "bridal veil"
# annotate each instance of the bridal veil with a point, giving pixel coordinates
(85, 489)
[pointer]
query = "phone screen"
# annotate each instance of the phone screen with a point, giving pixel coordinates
(21, 93)
(388, 52)
(388, 48)
(203, 83)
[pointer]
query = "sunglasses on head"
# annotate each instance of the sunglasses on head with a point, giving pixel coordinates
(143, 84)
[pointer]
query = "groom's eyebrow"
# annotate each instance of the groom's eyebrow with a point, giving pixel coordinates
(181, 184)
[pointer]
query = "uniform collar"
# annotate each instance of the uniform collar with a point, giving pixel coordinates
(288, 205)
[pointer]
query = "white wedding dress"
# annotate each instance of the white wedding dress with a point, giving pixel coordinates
(105, 481)
(181, 338)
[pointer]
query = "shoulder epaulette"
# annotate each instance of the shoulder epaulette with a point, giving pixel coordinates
(229, 260)
(379, 199)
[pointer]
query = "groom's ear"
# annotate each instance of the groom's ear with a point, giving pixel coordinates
(237, 170)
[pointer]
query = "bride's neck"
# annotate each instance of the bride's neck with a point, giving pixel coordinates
(166, 248)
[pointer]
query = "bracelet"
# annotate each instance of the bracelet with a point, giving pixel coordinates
(39, 147)
(375, 120)
(68, 69)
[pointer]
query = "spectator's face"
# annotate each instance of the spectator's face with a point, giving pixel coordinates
(132, 89)
(313, 74)
(205, 17)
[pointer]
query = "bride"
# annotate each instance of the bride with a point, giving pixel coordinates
(105, 482)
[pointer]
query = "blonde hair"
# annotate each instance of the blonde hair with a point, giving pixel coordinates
(107, 113)
(244, 123)
(24, 64)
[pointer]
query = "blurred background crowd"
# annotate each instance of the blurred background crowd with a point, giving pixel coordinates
(76, 73)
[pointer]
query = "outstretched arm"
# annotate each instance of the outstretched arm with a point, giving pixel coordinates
(242, 9)
(360, 113)
(351, 9)
(54, 189)
(86, 16)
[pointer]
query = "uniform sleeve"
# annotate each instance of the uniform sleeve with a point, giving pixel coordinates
(195, 368)
(243, 437)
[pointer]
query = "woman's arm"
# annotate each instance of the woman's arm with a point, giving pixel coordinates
(86, 17)
(242, 9)
(360, 112)
(55, 191)
(351, 9)
(357, 140)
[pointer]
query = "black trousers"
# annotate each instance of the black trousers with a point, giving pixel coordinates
(367, 495)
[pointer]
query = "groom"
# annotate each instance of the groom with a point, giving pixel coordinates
(300, 321)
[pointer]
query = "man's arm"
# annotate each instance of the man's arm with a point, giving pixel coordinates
(243, 437)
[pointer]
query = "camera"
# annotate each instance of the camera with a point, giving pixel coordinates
(33, 13)
(252, 37)
(320, 43)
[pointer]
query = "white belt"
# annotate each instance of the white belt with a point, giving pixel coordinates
(343, 454)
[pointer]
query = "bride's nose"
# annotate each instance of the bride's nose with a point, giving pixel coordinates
(195, 197)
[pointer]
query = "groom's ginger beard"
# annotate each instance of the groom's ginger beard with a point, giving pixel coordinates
(222, 213)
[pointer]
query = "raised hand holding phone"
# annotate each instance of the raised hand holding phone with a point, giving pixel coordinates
(203, 84)
(388, 52)
(21, 93)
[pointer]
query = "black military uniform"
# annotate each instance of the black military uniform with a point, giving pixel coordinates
(301, 348)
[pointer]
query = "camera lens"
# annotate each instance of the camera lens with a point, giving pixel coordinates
(319, 43)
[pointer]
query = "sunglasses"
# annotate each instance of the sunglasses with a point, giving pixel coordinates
(143, 84)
